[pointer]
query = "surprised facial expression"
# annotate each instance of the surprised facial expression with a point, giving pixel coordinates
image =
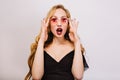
(59, 23)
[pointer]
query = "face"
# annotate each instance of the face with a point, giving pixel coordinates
(59, 23)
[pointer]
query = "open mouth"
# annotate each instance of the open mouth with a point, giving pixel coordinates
(59, 31)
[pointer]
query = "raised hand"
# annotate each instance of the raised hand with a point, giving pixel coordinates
(73, 30)
(44, 29)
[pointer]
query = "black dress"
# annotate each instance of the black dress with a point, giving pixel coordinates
(61, 70)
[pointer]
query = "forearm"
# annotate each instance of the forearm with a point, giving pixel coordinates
(38, 63)
(77, 67)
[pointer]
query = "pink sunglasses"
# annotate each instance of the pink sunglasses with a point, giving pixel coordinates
(62, 19)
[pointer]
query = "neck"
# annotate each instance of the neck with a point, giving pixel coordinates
(59, 40)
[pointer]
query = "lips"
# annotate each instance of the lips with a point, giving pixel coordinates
(59, 31)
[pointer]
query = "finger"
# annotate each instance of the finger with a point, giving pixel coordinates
(74, 21)
(47, 23)
(70, 22)
(77, 24)
(44, 20)
(42, 23)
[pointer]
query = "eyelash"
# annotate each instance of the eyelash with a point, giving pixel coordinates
(54, 19)
(62, 20)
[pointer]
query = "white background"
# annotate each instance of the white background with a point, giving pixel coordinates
(99, 29)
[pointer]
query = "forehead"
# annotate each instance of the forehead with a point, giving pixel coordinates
(59, 13)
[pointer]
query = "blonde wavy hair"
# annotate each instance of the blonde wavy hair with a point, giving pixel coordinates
(49, 40)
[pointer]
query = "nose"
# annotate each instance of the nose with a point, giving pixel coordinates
(59, 24)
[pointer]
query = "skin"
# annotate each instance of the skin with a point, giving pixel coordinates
(59, 45)
(59, 14)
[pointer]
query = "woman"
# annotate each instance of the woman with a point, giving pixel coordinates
(57, 53)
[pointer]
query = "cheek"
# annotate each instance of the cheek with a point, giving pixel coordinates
(52, 28)
(52, 25)
(65, 27)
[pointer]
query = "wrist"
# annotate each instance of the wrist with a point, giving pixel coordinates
(77, 43)
(41, 42)
(77, 40)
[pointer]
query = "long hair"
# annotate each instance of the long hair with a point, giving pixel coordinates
(49, 39)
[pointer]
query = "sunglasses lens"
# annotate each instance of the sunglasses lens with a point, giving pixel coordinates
(55, 20)
(64, 20)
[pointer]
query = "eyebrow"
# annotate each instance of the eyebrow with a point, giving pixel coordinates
(61, 16)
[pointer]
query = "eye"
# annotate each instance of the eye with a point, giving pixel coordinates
(64, 19)
(53, 19)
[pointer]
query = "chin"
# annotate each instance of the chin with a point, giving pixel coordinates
(59, 36)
